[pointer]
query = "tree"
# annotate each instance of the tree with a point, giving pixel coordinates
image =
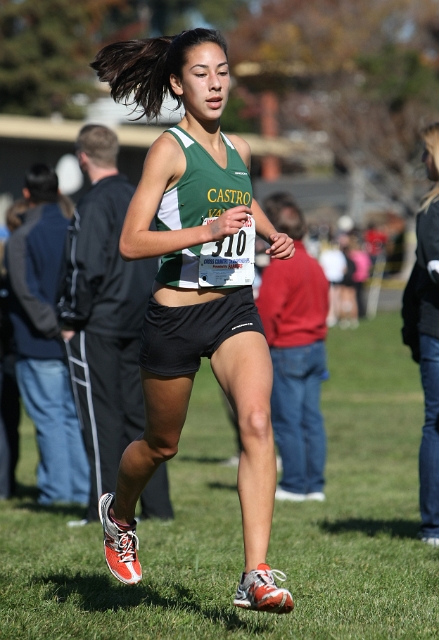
(366, 73)
(373, 118)
(46, 45)
(167, 17)
(172, 16)
(45, 51)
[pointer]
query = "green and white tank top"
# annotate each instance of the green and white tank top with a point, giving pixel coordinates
(203, 193)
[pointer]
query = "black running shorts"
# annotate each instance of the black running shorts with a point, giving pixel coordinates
(174, 339)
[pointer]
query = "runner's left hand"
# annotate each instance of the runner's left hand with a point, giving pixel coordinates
(282, 246)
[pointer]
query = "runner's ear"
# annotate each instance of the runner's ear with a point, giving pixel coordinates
(175, 83)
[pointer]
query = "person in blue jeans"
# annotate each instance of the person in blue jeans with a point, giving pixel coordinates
(34, 256)
(420, 332)
(293, 303)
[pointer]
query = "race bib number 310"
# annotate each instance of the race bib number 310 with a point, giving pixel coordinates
(229, 262)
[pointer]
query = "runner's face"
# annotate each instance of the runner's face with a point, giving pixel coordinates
(205, 82)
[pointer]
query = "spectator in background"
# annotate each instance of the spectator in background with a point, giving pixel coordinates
(348, 300)
(15, 214)
(8, 453)
(101, 311)
(333, 263)
(421, 333)
(313, 241)
(8, 431)
(34, 255)
(363, 265)
(376, 241)
(293, 305)
(9, 394)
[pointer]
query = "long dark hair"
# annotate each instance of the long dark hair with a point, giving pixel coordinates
(142, 68)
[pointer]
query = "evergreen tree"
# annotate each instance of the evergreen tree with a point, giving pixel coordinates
(45, 50)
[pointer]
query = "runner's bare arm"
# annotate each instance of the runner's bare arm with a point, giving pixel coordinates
(164, 165)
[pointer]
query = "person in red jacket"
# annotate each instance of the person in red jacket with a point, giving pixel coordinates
(293, 304)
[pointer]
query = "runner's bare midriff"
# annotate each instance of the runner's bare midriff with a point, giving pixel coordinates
(179, 297)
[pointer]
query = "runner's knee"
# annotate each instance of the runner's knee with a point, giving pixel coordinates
(257, 425)
(166, 453)
(163, 449)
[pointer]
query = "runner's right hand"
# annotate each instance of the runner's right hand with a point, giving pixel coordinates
(229, 222)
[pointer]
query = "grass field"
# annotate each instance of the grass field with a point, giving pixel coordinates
(353, 563)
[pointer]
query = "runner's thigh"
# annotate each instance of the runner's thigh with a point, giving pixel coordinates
(242, 366)
(166, 403)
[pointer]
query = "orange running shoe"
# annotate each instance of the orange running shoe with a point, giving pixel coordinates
(120, 545)
(257, 590)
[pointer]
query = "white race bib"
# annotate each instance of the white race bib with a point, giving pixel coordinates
(229, 262)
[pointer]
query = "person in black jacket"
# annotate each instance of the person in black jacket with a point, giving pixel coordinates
(34, 256)
(421, 333)
(101, 311)
(10, 412)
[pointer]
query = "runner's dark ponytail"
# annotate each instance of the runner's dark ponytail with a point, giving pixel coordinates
(138, 71)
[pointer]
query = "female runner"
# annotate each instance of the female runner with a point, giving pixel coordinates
(196, 184)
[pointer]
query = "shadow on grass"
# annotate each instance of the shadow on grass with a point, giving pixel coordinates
(200, 459)
(28, 496)
(222, 486)
(75, 510)
(371, 528)
(26, 491)
(100, 594)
